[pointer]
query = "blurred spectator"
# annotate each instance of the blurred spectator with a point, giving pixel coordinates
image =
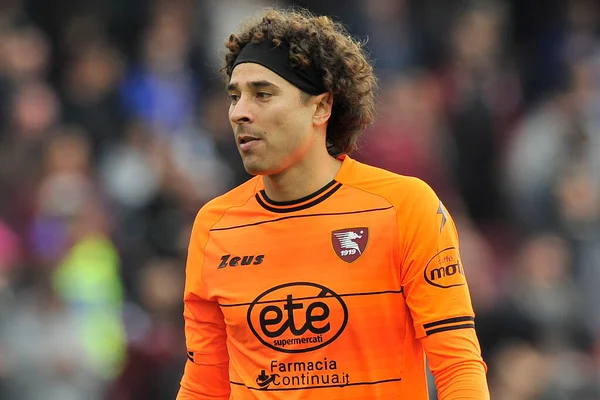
(555, 146)
(64, 190)
(481, 92)
(25, 52)
(521, 373)
(88, 280)
(392, 40)
(154, 365)
(409, 136)
(127, 171)
(34, 112)
(43, 350)
(542, 289)
(162, 90)
(91, 97)
(541, 319)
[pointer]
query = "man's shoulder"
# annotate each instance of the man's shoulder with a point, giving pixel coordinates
(213, 210)
(396, 188)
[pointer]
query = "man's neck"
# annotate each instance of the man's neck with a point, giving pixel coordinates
(302, 179)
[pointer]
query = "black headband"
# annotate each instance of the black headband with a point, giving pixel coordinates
(276, 58)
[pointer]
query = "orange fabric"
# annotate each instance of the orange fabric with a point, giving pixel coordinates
(333, 296)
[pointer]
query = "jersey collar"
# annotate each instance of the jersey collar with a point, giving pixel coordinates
(307, 201)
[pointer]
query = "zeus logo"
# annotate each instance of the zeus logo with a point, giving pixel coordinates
(228, 261)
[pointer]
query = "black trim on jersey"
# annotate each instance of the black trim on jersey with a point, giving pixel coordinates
(449, 328)
(318, 387)
(448, 321)
(298, 201)
(372, 293)
(317, 297)
(300, 207)
(300, 216)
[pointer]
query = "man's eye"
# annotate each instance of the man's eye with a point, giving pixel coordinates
(263, 95)
(234, 98)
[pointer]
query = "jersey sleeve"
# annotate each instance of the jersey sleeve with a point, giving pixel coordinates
(438, 297)
(432, 273)
(206, 374)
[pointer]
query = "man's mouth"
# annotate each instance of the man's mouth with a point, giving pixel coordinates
(247, 139)
(247, 142)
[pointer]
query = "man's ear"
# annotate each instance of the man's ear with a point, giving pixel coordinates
(323, 111)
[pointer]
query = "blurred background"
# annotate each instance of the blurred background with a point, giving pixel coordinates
(114, 132)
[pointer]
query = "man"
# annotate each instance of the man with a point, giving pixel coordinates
(320, 277)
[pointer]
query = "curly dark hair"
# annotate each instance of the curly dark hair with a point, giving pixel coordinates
(320, 42)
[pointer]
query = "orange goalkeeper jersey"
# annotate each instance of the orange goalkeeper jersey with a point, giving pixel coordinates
(333, 296)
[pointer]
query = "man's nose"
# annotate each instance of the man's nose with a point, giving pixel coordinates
(241, 111)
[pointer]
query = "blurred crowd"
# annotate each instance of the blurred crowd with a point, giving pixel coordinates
(114, 132)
